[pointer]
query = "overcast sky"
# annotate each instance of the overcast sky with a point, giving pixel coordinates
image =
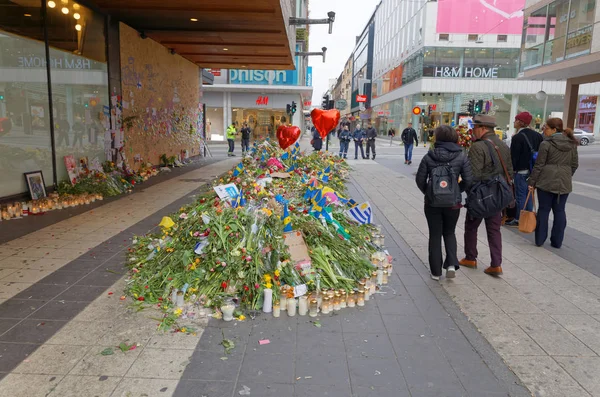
(351, 16)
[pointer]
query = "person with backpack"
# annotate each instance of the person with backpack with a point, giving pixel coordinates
(437, 178)
(524, 148)
(391, 134)
(490, 194)
(409, 135)
(552, 176)
(345, 138)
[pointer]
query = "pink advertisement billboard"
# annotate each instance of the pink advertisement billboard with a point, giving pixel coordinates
(480, 16)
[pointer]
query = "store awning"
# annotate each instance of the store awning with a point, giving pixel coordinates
(227, 34)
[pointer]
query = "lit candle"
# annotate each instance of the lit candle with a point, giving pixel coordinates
(303, 306)
(267, 300)
(385, 277)
(283, 298)
(325, 307)
(360, 301)
(11, 210)
(276, 309)
(373, 282)
(351, 299)
(379, 276)
(291, 307)
(313, 308)
(343, 299)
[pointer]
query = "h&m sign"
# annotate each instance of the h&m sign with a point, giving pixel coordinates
(466, 72)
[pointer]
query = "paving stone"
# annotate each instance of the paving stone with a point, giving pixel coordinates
(328, 322)
(205, 365)
(80, 293)
(267, 368)
(13, 354)
(160, 364)
(309, 340)
(364, 320)
(368, 345)
(282, 339)
(339, 390)
(77, 386)
(100, 277)
(28, 385)
(584, 370)
(62, 358)
(382, 372)
(94, 363)
(17, 308)
(373, 391)
(321, 368)
(398, 307)
(152, 387)
(211, 339)
(59, 310)
(406, 325)
(6, 324)
(584, 327)
(64, 277)
(188, 387)
(82, 333)
(32, 331)
(40, 292)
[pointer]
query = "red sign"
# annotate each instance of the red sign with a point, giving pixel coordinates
(216, 72)
(262, 100)
(307, 104)
(361, 98)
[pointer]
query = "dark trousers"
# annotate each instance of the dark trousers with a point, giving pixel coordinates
(245, 145)
(63, 136)
(551, 201)
(521, 190)
(492, 227)
(442, 223)
(231, 143)
(358, 144)
(344, 148)
(371, 146)
(408, 149)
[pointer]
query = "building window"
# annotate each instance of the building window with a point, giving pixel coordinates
(444, 37)
(473, 37)
(502, 38)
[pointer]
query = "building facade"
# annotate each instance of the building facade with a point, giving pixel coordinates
(362, 71)
(561, 39)
(442, 55)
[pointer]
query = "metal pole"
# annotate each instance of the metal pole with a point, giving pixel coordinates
(545, 108)
(327, 143)
(50, 104)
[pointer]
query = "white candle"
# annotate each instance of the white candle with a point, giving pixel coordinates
(227, 310)
(268, 300)
(283, 301)
(303, 306)
(276, 310)
(380, 276)
(291, 307)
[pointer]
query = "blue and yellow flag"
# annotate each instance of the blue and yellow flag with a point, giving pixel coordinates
(285, 156)
(292, 168)
(317, 207)
(287, 221)
(239, 169)
(324, 176)
(351, 203)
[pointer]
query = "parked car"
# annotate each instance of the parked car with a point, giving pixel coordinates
(583, 137)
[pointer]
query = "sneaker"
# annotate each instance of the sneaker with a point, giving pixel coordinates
(468, 263)
(493, 271)
(451, 272)
(409, 162)
(513, 223)
(436, 278)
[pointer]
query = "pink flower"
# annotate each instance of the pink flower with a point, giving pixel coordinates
(135, 270)
(212, 269)
(196, 234)
(248, 258)
(257, 286)
(223, 264)
(183, 216)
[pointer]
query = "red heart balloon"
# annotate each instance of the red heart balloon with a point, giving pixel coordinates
(325, 120)
(287, 136)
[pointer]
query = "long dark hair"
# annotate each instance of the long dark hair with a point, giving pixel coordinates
(557, 123)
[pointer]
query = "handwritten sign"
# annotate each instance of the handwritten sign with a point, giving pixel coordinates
(300, 290)
(296, 246)
(227, 192)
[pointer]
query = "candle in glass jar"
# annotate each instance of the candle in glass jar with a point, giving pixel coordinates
(11, 210)
(379, 276)
(227, 310)
(283, 298)
(5, 215)
(291, 307)
(303, 306)
(276, 309)
(373, 282)
(388, 267)
(360, 301)
(351, 301)
(313, 308)
(325, 307)
(179, 301)
(343, 299)
(331, 293)
(385, 277)
(336, 302)
(367, 294)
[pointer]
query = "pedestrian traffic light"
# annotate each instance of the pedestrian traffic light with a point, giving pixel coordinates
(288, 109)
(1, 97)
(293, 108)
(471, 107)
(479, 106)
(417, 111)
(325, 103)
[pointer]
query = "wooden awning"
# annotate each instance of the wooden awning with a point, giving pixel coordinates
(227, 34)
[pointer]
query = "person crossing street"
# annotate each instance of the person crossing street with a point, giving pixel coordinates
(409, 135)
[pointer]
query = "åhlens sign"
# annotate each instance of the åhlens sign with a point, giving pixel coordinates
(263, 77)
(466, 72)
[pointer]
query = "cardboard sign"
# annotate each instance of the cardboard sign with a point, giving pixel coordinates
(296, 246)
(227, 192)
(300, 290)
(282, 175)
(72, 169)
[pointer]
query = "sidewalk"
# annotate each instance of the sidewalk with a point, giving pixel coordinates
(542, 316)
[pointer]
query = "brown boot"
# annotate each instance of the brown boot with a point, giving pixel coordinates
(468, 263)
(493, 271)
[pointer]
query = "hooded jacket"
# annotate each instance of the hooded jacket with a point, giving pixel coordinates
(556, 163)
(445, 153)
(484, 168)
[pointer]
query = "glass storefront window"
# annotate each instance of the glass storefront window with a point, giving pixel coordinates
(506, 60)
(581, 20)
(534, 34)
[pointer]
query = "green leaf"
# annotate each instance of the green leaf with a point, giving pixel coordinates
(317, 324)
(107, 352)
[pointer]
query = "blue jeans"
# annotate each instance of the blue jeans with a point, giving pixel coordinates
(408, 152)
(245, 145)
(521, 189)
(344, 148)
(551, 201)
(231, 143)
(357, 145)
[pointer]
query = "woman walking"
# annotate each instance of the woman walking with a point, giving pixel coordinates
(552, 176)
(437, 178)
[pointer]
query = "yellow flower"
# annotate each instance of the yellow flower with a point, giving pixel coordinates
(277, 272)
(268, 285)
(157, 248)
(197, 260)
(241, 317)
(193, 266)
(183, 330)
(178, 312)
(267, 277)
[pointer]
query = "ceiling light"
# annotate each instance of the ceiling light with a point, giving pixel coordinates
(76, 15)
(51, 4)
(65, 10)
(75, 6)
(27, 15)
(225, 49)
(194, 19)
(64, 1)
(78, 27)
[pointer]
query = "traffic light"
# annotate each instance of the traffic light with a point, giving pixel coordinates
(479, 106)
(293, 108)
(288, 109)
(325, 103)
(1, 97)
(471, 107)
(417, 111)
(331, 104)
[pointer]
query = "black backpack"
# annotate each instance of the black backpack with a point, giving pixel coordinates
(488, 198)
(442, 188)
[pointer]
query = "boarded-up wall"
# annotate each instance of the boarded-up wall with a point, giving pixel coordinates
(161, 93)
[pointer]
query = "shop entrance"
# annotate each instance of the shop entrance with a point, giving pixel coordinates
(263, 123)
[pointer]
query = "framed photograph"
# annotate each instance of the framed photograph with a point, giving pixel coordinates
(36, 185)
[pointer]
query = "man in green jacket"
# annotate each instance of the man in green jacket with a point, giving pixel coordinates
(231, 133)
(484, 168)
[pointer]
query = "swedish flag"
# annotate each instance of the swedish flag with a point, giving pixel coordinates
(324, 176)
(263, 158)
(239, 169)
(237, 200)
(317, 195)
(297, 147)
(351, 203)
(309, 193)
(285, 156)
(317, 207)
(292, 168)
(287, 221)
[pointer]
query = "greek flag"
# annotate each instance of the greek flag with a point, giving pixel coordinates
(287, 221)
(361, 214)
(239, 169)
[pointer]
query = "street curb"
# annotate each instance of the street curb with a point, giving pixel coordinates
(506, 377)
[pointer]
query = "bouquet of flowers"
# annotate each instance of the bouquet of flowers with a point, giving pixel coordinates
(465, 136)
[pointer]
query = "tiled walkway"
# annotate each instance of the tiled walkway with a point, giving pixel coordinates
(542, 316)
